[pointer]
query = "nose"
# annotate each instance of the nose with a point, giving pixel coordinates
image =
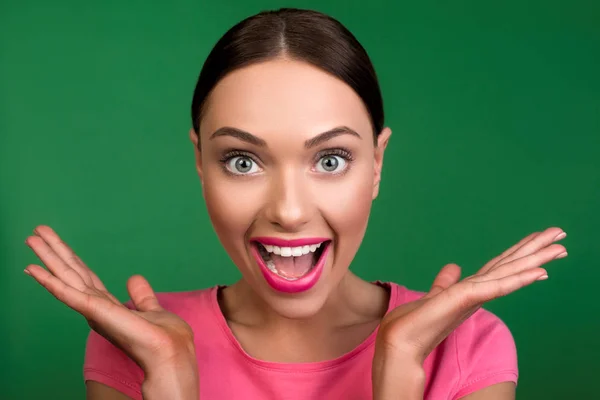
(288, 206)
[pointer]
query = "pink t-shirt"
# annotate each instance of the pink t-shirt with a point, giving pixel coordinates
(479, 353)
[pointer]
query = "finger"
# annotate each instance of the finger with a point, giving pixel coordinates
(72, 260)
(441, 315)
(448, 276)
(142, 295)
(490, 264)
(530, 261)
(115, 322)
(542, 240)
(482, 292)
(96, 281)
(75, 299)
(69, 257)
(65, 253)
(55, 264)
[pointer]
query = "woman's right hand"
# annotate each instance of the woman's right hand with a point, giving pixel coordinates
(157, 340)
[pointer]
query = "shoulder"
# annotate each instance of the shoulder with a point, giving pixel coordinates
(486, 353)
(480, 352)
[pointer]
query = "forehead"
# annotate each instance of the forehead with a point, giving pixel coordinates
(284, 96)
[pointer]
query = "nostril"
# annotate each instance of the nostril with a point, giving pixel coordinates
(289, 218)
(288, 206)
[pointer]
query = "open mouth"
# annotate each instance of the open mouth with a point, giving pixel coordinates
(291, 263)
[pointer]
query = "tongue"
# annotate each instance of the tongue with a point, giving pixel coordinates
(293, 267)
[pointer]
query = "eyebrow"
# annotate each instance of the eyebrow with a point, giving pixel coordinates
(240, 134)
(330, 134)
(310, 143)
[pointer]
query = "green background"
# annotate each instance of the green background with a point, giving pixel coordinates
(495, 110)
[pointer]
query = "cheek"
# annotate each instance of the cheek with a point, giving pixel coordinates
(348, 211)
(350, 204)
(232, 207)
(341, 205)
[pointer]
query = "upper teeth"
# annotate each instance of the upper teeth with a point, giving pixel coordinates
(292, 251)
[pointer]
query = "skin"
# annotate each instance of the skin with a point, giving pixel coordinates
(284, 104)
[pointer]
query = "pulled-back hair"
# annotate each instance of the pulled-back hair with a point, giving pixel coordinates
(303, 35)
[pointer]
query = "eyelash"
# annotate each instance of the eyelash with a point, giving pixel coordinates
(235, 153)
(340, 152)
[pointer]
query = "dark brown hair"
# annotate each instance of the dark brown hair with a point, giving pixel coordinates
(305, 35)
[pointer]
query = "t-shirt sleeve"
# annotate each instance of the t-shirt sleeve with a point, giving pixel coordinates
(486, 353)
(107, 364)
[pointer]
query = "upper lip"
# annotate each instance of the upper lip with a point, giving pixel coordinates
(274, 241)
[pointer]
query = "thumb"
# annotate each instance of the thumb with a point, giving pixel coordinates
(142, 295)
(448, 276)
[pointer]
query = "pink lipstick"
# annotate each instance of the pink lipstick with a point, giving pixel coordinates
(281, 260)
(273, 241)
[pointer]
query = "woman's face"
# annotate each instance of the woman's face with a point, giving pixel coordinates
(289, 171)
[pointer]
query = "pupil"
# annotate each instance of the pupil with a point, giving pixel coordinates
(243, 165)
(330, 163)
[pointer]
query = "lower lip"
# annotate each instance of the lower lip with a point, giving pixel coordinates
(296, 286)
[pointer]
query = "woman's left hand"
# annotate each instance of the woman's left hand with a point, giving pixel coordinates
(410, 332)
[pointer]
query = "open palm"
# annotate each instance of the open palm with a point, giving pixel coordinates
(414, 329)
(149, 334)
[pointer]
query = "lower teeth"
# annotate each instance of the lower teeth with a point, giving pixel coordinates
(271, 266)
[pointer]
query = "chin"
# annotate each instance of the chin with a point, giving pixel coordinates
(298, 297)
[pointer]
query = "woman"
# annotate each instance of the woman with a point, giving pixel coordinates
(289, 138)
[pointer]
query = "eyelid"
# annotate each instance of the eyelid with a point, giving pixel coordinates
(229, 154)
(337, 151)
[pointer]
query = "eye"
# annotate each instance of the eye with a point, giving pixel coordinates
(331, 164)
(241, 165)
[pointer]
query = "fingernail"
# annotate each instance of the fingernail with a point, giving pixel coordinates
(27, 272)
(561, 255)
(542, 278)
(560, 236)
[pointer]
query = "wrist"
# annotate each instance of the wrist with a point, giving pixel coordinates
(397, 378)
(176, 380)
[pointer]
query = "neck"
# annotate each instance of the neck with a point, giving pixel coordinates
(353, 302)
